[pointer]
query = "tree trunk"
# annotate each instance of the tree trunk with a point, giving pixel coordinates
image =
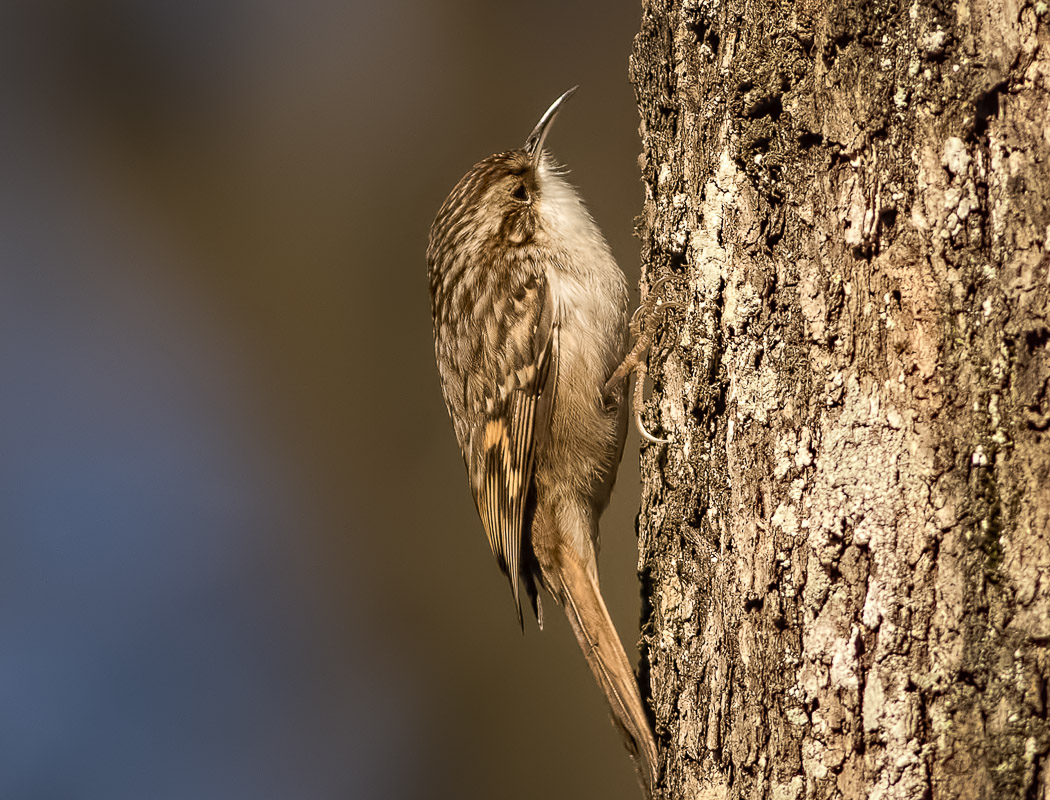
(846, 545)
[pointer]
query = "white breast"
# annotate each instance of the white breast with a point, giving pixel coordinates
(587, 285)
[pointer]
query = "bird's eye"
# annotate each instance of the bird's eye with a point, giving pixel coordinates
(520, 193)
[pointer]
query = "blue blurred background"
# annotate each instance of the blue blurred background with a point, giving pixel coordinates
(238, 555)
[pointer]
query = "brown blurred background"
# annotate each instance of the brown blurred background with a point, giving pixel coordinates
(238, 555)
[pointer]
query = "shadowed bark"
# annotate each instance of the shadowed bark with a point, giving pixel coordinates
(846, 546)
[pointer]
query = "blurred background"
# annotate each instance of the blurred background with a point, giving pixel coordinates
(238, 554)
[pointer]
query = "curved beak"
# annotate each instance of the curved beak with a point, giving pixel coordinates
(534, 144)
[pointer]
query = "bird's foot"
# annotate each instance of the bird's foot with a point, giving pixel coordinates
(643, 326)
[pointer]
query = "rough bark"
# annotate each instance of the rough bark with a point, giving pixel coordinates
(846, 545)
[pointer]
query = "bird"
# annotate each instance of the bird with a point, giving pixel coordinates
(530, 335)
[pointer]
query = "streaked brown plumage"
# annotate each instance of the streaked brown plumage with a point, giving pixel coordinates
(530, 321)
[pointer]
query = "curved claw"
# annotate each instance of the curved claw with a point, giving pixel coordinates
(653, 305)
(645, 434)
(660, 283)
(638, 405)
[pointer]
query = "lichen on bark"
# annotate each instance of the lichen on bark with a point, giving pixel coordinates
(846, 545)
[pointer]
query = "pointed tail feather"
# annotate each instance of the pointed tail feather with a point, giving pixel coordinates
(605, 656)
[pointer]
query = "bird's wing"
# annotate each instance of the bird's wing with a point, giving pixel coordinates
(517, 398)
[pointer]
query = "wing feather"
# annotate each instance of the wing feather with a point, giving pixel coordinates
(518, 401)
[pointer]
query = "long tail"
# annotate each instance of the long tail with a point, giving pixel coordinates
(605, 656)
